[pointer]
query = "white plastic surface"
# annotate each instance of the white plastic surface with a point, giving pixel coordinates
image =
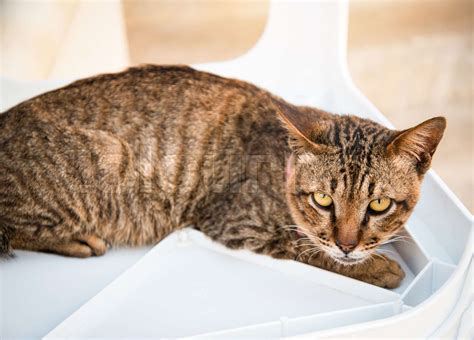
(38, 290)
(188, 285)
(429, 280)
(302, 57)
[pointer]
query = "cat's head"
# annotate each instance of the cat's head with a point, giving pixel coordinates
(352, 183)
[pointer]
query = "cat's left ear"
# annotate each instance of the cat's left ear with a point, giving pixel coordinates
(418, 144)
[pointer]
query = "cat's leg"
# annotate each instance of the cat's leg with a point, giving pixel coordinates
(260, 239)
(81, 246)
(380, 270)
(73, 248)
(69, 193)
(97, 245)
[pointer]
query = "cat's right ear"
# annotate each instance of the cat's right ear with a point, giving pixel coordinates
(304, 127)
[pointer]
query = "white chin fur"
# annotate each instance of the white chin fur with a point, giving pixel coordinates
(353, 258)
(348, 261)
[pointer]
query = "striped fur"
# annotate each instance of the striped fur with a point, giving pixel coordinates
(125, 159)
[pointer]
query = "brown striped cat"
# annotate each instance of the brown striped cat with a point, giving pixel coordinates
(125, 159)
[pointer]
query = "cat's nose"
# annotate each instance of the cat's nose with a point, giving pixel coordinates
(346, 247)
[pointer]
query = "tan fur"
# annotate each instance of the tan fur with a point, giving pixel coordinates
(127, 158)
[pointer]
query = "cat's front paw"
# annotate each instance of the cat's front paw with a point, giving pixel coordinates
(380, 271)
(97, 246)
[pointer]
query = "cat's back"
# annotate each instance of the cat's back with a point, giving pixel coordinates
(163, 104)
(113, 101)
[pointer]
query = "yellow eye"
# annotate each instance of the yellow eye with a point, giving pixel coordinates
(380, 204)
(322, 199)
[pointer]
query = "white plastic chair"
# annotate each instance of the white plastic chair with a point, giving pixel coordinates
(301, 56)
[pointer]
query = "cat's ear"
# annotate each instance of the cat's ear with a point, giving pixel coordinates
(305, 127)
(418, 144)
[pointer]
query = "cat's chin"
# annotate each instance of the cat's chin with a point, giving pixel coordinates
(348, 261)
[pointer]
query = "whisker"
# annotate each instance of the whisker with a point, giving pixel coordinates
(303, 239)
(402, 238)
(304, 252)
(405, 236)
(310, 250)
(378, 255)
(395, 240)
(308, 241)
(305, 245)
(317, 251)
(387, 251)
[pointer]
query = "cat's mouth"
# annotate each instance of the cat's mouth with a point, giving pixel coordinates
(332, 251)
(344, 259)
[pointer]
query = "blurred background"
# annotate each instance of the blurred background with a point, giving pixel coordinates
(412, 58)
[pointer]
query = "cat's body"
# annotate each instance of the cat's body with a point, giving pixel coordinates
(124, 159)
(129, 171)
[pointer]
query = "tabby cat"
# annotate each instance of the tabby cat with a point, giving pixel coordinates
(125, 159)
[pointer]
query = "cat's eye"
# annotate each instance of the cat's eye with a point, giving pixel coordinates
(322, 199)
(380, 205)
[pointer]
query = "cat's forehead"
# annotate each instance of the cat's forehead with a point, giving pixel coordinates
(349, 178)
(358, 142)
(357, 155)
(351, 140)
(354, 133)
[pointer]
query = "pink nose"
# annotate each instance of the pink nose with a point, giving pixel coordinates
(346, 247)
